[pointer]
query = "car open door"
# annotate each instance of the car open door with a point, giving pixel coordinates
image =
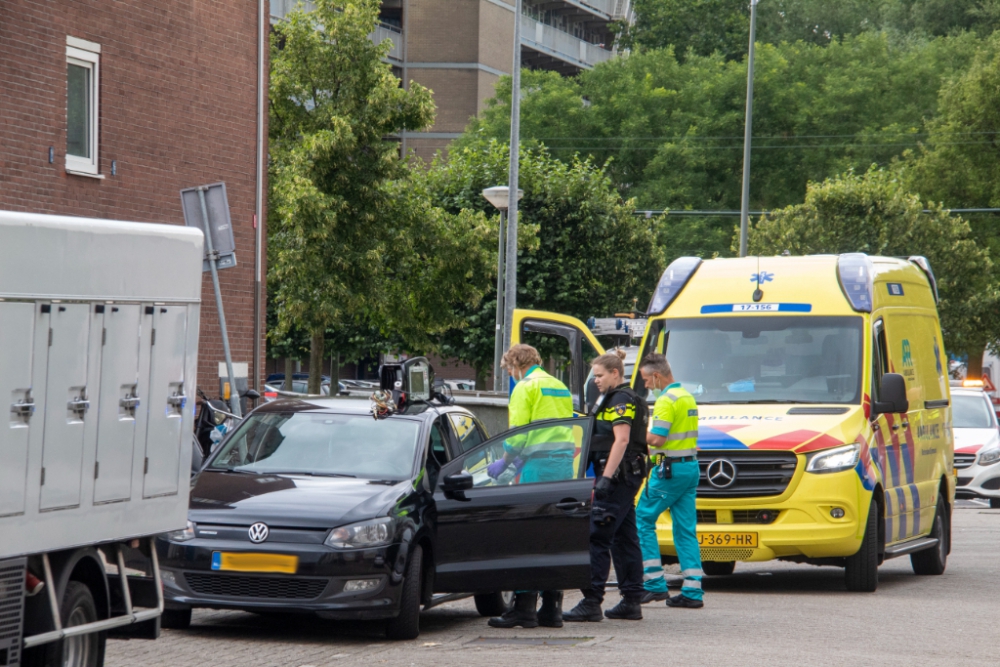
(512, 532)
(564, 340)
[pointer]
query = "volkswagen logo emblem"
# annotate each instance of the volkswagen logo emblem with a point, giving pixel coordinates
(721, 473)
(258, 532)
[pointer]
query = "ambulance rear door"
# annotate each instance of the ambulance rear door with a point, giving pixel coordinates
(567, 347)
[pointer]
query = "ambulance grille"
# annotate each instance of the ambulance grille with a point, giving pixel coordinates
(758, 473)
(964, 460)
(724, 555)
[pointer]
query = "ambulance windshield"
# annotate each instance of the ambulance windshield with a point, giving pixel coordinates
(767, 358)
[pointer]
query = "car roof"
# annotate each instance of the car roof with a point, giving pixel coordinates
(354, 406)
(955, 391)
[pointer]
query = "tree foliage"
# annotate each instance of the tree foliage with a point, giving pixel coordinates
(582, 251)
(874, 213)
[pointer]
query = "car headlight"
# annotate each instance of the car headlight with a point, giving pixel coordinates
(374, 533)
(834, 460)
(989, 457)
(183, 535)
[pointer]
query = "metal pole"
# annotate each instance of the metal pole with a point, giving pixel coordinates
(745, 204)
(498, 345)
(510, 298)
(262, 26)
(234, 394)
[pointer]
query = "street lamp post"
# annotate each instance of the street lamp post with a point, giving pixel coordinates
(510, 283)
(745, 203)
(499, 197)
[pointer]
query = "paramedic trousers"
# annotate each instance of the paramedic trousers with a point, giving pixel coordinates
(616, 540)
(676, 494)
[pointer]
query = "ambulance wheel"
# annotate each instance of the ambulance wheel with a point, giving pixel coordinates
(995, 503)
(407, 624)
(494, 604)
(935, 559)
(718, 569)
(861, 569)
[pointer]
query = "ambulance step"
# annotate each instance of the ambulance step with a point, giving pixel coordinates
(912, 546)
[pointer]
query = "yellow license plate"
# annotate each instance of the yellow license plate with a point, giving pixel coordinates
(250, 562)
(728, 540)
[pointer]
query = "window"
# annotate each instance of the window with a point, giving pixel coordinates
(548, 451)
(82, 77)
(439, 443)
(880, 360)
(469, 435)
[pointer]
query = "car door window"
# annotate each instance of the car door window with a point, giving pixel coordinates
(439, 443)
(467, 431)
(547, 451)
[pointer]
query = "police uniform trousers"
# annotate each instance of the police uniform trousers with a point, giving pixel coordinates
(616, 540)
(676, 494)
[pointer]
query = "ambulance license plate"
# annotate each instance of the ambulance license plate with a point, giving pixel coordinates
(225, 561)
(728, 540)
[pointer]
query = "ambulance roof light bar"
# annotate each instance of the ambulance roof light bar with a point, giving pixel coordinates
(854, 270)
(671, 283)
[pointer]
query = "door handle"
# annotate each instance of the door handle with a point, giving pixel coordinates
(79, 405)
(177, 401)
(130, 403)
(23, 409)
(571, 505)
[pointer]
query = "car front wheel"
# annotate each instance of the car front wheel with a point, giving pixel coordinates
(494, 604)
(407, 624)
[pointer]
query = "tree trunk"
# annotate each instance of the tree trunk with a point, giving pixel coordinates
(481, 377)
(316, 360)
(289, 372)
(334, 372)
(974, 367)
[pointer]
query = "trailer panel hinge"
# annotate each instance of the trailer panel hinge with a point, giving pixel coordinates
(145, 467)
(97, 469)
(50, 337)
(153, 336)
(43, 476)
(104, 337)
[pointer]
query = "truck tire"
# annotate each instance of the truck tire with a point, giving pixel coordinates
(935, 560)
(77, 608)
(718, 569)
(175, 619)
(861, 569)
(407, 624)
(494, 604)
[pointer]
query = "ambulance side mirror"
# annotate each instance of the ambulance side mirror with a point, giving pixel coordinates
(892, 391)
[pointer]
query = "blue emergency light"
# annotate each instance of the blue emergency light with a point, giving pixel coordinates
(671, 283)
(855, 273)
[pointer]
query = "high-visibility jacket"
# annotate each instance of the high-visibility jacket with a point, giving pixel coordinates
(540, 396)
(675, 417)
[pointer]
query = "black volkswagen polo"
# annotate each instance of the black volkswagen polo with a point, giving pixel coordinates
(314, 506)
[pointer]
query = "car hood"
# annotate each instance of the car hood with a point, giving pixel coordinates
(785, 427)
(971, 440)
(290, 501)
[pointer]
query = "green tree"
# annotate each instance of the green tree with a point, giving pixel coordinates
(344, 227)
(874, 213)
(582, 251)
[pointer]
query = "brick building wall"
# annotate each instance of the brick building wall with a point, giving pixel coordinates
(177, 108)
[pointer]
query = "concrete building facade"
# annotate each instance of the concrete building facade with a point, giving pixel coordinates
(110, 107)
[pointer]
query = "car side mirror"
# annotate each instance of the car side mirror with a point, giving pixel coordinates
(252, 394)
(455, 486)
(892, 391)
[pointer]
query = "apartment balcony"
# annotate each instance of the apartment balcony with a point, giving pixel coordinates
(382, 32)
(545, 47)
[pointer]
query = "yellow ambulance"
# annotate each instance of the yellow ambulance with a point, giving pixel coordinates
(825, 427)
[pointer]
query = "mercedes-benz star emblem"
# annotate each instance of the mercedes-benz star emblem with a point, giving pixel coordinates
(258, 532)
(721, 473)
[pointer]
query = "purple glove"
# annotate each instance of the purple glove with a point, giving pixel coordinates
(518, 464)
(496, 468)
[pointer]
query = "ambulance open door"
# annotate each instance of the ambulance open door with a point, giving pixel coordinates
(566, 345)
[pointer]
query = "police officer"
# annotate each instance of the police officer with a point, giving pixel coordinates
(543, 455)
(673, 444)
(618, 454)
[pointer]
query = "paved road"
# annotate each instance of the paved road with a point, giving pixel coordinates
(766, 614)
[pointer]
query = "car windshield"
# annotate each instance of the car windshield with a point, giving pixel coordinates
(767, 358)
(971, 412)
(347, 445)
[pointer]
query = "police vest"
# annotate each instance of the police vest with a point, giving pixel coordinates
(675, 417)
(610, 410)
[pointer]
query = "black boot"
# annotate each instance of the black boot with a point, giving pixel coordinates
(628, 610)
(522, 614)
(650, 596)
(550, 615)
(586, 610)
(685, 602)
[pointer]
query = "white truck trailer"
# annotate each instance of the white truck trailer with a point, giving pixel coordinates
(98, 360)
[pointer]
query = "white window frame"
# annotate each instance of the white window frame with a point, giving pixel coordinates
(86, 54)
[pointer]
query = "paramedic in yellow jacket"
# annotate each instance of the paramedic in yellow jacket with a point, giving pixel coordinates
(541, 455)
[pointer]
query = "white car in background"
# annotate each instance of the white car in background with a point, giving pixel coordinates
(977, 446)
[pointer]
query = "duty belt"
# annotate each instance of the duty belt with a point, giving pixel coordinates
(657, 459)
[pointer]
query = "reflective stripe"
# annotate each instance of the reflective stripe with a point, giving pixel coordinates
(692, 573)
(561, 393)
(536, 448)
(653, 562)
(659, 423)
(673, 453)
(690, 583)
(682, 436)
(673, 395)
(650, 576)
